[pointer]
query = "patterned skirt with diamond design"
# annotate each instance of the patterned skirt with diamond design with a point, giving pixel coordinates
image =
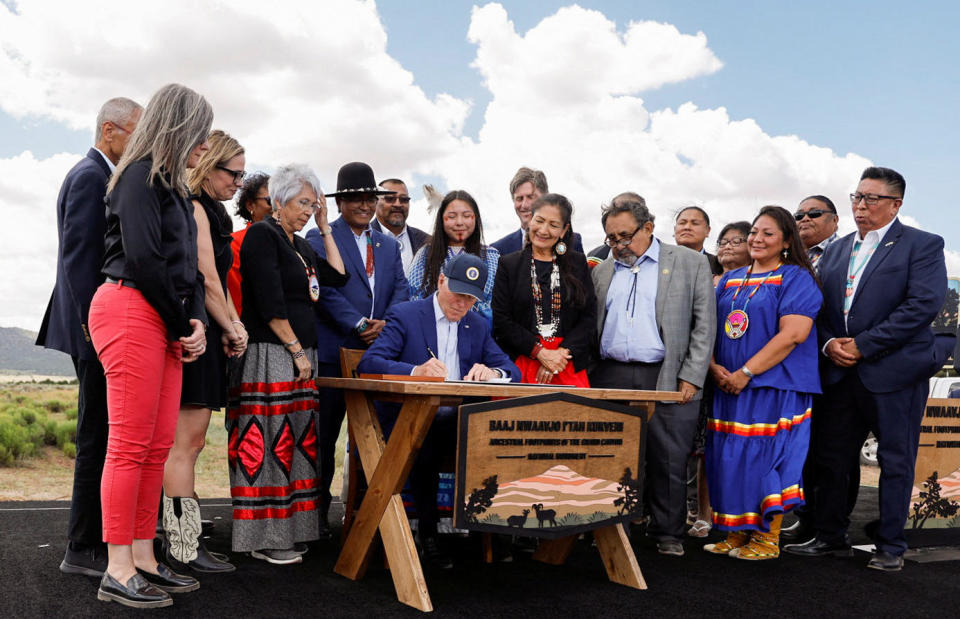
(272, 449)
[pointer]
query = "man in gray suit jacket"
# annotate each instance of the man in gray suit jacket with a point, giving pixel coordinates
(657, 320)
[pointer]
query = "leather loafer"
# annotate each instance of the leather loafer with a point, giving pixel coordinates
(169, 581)
(137, 593)
(819, 548)
(886, 562)
(797, 531)
(91, 561)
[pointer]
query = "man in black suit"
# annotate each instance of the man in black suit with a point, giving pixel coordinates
(80, 227)
(882, 287)
(526, 187)
(392, 212)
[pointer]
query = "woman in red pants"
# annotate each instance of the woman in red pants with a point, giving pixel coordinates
(146, 320)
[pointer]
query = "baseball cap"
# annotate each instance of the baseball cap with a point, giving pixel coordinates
(466, 274)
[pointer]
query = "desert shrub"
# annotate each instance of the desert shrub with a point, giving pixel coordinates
(55, 406)
(66, 433)
(70, 450)
(569, 520)
(28, 416)
(18, 439)
(71, 413)
(6, 458)
(50, 432)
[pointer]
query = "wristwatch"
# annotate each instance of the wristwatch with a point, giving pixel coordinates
(364, 323)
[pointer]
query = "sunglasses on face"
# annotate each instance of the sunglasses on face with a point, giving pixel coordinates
(394, 199)
(238, 175)
(813, 213)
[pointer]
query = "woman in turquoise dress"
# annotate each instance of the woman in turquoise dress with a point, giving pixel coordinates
(765, 368)
(457, 229)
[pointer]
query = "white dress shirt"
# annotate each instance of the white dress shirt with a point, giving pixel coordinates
(447, 342)
(869, 244)
(406, 246)
(110, 165)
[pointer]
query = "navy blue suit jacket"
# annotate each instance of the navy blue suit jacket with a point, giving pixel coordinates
(340, 309)
(81, 219)
(514, 242)
(900, 292)
(417, 236)
(412, 328)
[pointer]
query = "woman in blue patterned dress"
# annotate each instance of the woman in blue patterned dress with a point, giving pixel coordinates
(457, 229)
(765, 369)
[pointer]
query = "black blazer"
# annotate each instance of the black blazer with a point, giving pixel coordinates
(715, 267)
(514, 316)
(80, 226)
(151, 240)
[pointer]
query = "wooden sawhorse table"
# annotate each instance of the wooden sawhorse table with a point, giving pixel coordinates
(387, 465)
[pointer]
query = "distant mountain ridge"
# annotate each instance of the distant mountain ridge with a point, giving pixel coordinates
(19, 355)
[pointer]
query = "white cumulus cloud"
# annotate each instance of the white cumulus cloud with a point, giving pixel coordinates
(313, 82)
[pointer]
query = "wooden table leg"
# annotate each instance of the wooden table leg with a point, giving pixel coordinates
(618, 557)
(382, 506)
(555, 551)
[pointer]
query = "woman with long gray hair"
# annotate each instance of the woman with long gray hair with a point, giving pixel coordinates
(146, 320)
(272, 409)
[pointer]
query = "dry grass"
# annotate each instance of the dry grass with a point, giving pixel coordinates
(50, 476)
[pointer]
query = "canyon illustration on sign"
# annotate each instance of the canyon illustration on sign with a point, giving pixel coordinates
(548, 466)
(935, 500)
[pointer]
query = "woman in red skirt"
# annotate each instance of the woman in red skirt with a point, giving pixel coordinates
(544, 307)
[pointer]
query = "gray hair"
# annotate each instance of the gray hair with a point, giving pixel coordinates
(175, 121)
(627, 202)
(288, 181)
(118, 111)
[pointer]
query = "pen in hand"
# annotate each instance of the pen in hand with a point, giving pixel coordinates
(431, 352)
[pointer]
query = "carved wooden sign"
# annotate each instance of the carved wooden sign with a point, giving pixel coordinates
(548, 466)
(935, 502)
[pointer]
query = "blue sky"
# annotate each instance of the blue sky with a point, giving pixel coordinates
(339, 80)
(876, 78)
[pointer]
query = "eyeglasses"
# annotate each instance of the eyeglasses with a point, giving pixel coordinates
(623, 241)
(734, 242)
(869, 198)
(120, 127)
(307, 205)
(368, 201)
(238, 175)
(265, 199)
(813, 213)
(393, 199)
